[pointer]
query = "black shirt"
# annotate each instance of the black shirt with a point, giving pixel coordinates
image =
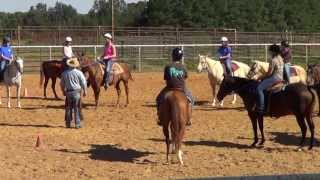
(175, 74)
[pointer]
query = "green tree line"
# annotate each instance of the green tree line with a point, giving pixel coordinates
(245, 15)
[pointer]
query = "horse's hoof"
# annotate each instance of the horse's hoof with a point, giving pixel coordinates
(19, 106)
(261, 143)
(310, 147)
(253, 144)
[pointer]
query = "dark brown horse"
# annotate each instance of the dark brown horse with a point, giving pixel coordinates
(94, 72)
(173, 112)
(297, 99)
(313, 79)
(50, 70)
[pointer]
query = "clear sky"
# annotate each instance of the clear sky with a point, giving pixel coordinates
(82, 6)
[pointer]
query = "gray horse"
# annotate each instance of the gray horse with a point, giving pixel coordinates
(12, 77)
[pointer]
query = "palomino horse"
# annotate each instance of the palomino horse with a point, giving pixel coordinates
(95, 70)
(50, 70)
(313, 79)
(173, 112)
(297, 99)
(259, 68)
(215, 73)
(12, 77)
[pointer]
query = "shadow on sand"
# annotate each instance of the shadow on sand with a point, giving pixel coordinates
(30, 125)
(291, 139)
(111, 153)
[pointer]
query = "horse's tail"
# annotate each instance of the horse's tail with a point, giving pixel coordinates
(41, 74)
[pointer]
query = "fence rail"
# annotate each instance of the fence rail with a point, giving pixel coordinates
(143, 57)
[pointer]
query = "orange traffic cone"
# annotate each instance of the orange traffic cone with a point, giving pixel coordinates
(39, 143)
(25, 93)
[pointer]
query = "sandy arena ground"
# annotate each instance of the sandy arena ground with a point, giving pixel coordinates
(126, 143)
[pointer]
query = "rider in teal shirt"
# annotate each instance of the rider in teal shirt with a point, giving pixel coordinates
(175, 74)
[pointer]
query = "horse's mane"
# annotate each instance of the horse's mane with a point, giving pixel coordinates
(247, 84)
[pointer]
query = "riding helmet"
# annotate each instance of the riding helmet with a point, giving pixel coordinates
(224, 39)
(68, 39)
(285, 43)
(177, 54)
(6, 39)
(274, 48)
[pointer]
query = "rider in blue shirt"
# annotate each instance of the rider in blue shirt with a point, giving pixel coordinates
(6, 54)
(224, 55)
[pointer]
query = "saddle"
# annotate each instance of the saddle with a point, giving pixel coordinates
(293, 71)
(275, 88)
(234, 66)
(116, 69)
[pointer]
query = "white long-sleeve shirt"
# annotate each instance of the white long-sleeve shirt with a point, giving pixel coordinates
(67, 52)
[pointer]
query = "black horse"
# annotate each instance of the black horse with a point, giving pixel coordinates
(297, 99)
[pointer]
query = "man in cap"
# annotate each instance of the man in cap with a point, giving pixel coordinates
(72, 83)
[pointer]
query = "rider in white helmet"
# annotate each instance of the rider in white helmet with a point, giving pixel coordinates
(225, 55)
(67, 49)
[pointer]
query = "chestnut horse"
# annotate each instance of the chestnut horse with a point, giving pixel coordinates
(173, 112)
(94, 71)
(50, 70)
(297, 99)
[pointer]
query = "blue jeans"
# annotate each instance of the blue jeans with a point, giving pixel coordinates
(73, 107)
(287, 71)
(227, 66)
(160, 96)
(3, 64)
(265, 84)
(107, 69)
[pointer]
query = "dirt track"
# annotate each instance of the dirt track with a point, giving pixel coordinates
(126, 143)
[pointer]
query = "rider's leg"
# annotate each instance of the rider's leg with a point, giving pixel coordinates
(227, 64)
(159, 100)
(287, 71)
(261, 87)
(108, 66)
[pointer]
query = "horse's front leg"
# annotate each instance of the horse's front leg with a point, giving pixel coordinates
(260, 122)
(234, 98)
(8, 96)
(253, 119)
(18, 96)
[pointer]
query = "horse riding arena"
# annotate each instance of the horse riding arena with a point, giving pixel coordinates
(126, 143)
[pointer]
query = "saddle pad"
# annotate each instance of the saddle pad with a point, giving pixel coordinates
(293, 71)
(116, 69)
(234, 67)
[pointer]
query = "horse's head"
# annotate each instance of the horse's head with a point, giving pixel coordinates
(313, 73)
(256, 70)
(19, 64)
(226, 87)
(203, 64)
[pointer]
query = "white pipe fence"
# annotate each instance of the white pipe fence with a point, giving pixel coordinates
(153, 57)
